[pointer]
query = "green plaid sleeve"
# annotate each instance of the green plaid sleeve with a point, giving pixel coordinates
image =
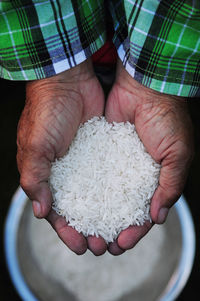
(159, 43)
(42, 38)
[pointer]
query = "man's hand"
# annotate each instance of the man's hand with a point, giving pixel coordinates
(164, 126)
(54, 109)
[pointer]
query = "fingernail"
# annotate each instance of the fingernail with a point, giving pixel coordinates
(162, 215)
(36, 208)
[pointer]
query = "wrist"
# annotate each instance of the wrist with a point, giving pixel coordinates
(65, 85)
(72, 79)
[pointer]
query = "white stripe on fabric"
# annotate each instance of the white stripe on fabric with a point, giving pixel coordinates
(100, 36)
(160, 39)
(63, 65)
(11, 37)
(37, 26)
(122, 54)
(3, 71)
(185, 69)
(175, 50)
(142, 8)
(162, 17)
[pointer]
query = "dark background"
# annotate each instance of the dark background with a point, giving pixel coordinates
(11, 105)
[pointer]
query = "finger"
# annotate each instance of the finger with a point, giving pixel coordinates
(114, 249)
(160, 205)
(96, 245)
(173, 175)
(129, 237)
(35, 172)
(40, 195)
(75, 241)
(163, 199)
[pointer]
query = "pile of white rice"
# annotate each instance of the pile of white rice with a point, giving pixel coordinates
(105, 181)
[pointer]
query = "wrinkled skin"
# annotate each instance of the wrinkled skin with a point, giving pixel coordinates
(54, 109)
(164, 126)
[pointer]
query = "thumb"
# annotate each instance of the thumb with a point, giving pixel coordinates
(172, 180)
(42, 202)
(34, 181)
(160, 204)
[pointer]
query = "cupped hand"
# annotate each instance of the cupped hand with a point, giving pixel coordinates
(164, 126)
(54, 109)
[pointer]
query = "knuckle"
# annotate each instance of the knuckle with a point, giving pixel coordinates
(28, 183)
(25, 183)
(185, 153)
(32, 144)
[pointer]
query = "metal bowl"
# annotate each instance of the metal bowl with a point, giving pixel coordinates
(165, 284)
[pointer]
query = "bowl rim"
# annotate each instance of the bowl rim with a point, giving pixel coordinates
(174, 286)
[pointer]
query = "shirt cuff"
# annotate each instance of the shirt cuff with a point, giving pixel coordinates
(43, 38)
(159, 44)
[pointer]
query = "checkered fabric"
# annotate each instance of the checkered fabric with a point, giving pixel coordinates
(39, 38)
(158, 41)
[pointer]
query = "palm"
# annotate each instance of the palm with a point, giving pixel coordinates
(58, 117)
(53, 112)
(163, 125)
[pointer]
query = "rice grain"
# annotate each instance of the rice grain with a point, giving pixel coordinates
(105, 181)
